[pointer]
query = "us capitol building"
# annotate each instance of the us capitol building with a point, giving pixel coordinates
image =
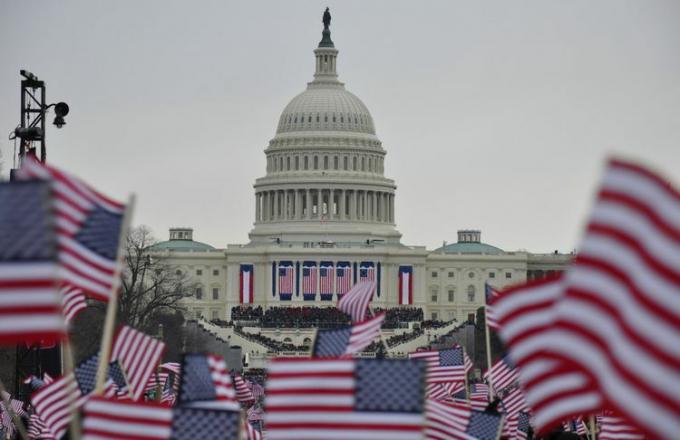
(324, 219)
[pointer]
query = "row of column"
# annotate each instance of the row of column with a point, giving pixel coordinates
(324, 204)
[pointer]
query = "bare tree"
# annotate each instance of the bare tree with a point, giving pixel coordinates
(150, 283)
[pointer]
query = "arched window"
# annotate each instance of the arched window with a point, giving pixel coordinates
(363, 164)
(310, 119)
(333, 117)
(199, 293)
(471, 293)
(354, 163)
(280, 163)
(344, 160)
(288, 163)
(325, 162)
(297, 163)
(306, 162)
(335, 163)
(317, 117)
(316, 162)
(325, 118)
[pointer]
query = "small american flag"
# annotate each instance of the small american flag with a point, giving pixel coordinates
(489, 294)
(479, 396)
(37, 429)
(455, 421)
(173, 367)
(448, 365)
(107, 419)
(156, 381)
(345, 398)
(366, 272)
(88, 227)
(348, 340)
(513, 402)
(326, 277)
(206, 383)
(355, 302)
(52, 403)
(251, 432)
(503, 375)
(191, 423)
(73, 301)
(243, 393)
(138, 354)
(445, 391)
(343, 275)
(286, 284)
(30, 304)
(309, 279)
(522, 425)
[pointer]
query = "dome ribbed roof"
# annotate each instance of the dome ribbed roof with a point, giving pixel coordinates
(470, 248)
(181, 246)
(326, 108)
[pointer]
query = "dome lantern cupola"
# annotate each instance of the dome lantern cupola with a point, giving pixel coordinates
(326, 55)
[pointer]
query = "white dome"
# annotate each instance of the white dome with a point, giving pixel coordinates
(326, 107)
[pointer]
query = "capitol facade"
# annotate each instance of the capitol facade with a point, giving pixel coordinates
(324, 220)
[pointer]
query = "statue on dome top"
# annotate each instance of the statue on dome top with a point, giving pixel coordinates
(326, 19)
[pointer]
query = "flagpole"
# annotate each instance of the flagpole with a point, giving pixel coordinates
(488, 350)
(112, 307)
(15, 417)
(69, 363)
(593, 432)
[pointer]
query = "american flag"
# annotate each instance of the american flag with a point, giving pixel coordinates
(455, 421)
(345, 398)
(326, 278)
(489, 294)
(156, 381)
(30, 303)
(37, 429)
(523, 425)
(243, 393)
(479, 396)
(34, 381)
(251, 432)
(444, 390)
(88, 228)
(286, 279)
(258, 390)
(348, 340)
(206, 383)
(309, 279)
(73, 302)
(15, 406)
(192, 423)
(503, 374)
(355, 302)
(107, 419)
(366, 272)
(138, 355)
(617, 428)
(52, 403)
(343, 274)
(172, 367)
(86, 377)
(448, 365)
(576, 425)
(513, 403)
(553, 392)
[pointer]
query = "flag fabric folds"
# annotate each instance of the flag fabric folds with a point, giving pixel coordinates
(479, 396)
(73, 300)
(37, 429)
(52, 403)
(88, 228)
(617, 428)
(448, 365)
(345, 398)
(503, 374)
(30, 303)
(489, 294)
(456, 421)
(405, 285)
(247, 283)
(347, 340)
(107, 419)
(138, 354)
(206, 383)
(243, 393)
(355, 301)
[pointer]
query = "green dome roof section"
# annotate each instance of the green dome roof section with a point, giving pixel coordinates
(470, 248)
(182, 246)
(470, 242)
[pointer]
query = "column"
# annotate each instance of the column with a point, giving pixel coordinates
(285, 204)
(308, 195)
(275, 215)
(353, 206)
(265, 206)
(391, 208)
(331, 196)
(257, 207)
(374, 211)
(383, 207)
(343, 201)
(298, 205)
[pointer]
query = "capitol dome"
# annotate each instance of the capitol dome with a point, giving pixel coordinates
(325, 179)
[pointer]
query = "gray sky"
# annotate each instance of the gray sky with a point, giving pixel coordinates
(495, 115)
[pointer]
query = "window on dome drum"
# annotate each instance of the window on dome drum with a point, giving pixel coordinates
(288, 164)
(317, 117)
(306, 162)
(335, 163)
(471, 275)
(333, 117)
(434, 274)
(199, 272)
(471, 293)
(508, 275)
(316, 162)
(344, 160)
(451, 274)
(354, 162)
(451, 295)
(297, 163)
(216, 293)
(309, 119)
(325, 118)
(363, 164)
(325, 162)
(342, 119)
(199, 293)
(492, 274)
(216, 272)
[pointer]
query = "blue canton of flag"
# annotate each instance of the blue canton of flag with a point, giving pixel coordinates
(390, 386)
(204, 424)
(86, 375)
(197, 383)
(484, 426)
(99, 232)
(523, 422)
(332, 343)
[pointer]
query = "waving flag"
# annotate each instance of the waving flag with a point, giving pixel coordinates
(243, 393)
(30, 303)
(52, 403)
(503, 374)
(343, 275)
(449, 365)
(107, 419)
(326, 277)
(309, 280)
(37, 429)
(617, 428)
(246, 283)
(206, 383)
(479, 396)
(355, 302)
(333, 399)
(251, 432)
(286, 284)
(88, 229)
(348, 340)
(405, 285)
(489, 294)
(73, 302)
(455, 421)
(138, 355)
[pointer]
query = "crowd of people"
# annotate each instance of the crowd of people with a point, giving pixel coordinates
(246, 313)
(304, 317)
(400, 317)
(404, 337)
(272, 344)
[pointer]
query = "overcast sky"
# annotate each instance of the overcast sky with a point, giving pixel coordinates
(495, 115)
